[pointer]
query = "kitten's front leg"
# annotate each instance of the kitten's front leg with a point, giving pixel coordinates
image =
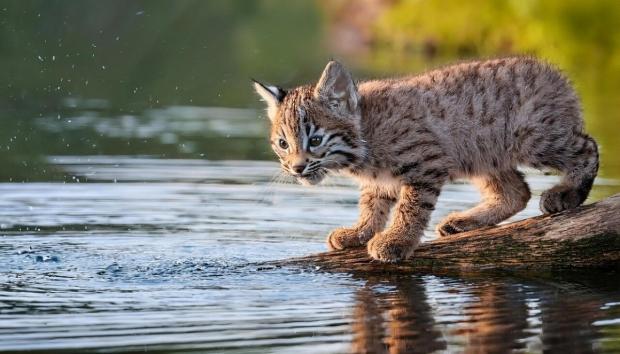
(396, 243)
(374, 211)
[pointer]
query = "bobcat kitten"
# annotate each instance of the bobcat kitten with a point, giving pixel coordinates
(403, 138)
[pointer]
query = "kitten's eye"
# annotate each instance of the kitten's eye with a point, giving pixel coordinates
(316, 141)
(283, 144)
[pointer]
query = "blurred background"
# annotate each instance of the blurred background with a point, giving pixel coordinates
(171, 79)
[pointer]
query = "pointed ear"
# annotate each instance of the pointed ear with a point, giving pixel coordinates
(272, 95)
(337, 89)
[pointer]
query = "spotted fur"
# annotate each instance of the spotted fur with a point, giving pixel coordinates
(402, 139)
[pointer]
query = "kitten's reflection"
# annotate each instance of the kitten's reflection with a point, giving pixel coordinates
(497, 319)
(394, 321)
(567, 323)
(395, 316)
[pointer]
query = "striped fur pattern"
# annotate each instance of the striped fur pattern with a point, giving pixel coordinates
(402, 139)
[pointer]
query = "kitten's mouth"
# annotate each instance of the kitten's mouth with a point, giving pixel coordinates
(311, 179)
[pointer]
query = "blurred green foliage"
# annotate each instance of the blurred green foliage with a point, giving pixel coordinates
(138, 55)
(132, 56)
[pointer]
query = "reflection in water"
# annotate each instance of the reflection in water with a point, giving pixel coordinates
(398, 321)
(397, 315)
(498, 319)
(567, 322)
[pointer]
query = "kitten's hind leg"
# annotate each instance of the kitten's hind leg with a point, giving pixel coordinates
(504, 194)
(580, 163)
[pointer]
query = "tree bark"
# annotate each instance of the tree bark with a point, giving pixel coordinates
(582, 238)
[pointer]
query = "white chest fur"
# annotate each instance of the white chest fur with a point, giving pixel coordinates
(384, 181)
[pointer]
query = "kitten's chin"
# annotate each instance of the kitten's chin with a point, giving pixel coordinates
(311, 180)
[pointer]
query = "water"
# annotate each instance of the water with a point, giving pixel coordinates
(151, 254)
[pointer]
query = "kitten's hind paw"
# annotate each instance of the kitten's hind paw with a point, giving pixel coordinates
(345, 237)
(560, 198)
(456, 223)
(448, 228)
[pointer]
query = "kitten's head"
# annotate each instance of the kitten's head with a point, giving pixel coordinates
(316, 129)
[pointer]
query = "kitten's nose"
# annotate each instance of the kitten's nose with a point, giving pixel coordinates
(299, 168)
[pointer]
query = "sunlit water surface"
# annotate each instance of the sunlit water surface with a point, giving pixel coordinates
(169, 263)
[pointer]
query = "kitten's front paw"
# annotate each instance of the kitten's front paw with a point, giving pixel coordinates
(454, 224)
(391, 247)
(346, 237)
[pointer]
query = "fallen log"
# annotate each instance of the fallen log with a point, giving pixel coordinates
(582, 238)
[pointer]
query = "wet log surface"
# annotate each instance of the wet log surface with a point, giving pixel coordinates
(582, 238)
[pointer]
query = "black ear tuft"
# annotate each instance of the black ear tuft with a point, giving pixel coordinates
(276, 91)
(281, 93)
